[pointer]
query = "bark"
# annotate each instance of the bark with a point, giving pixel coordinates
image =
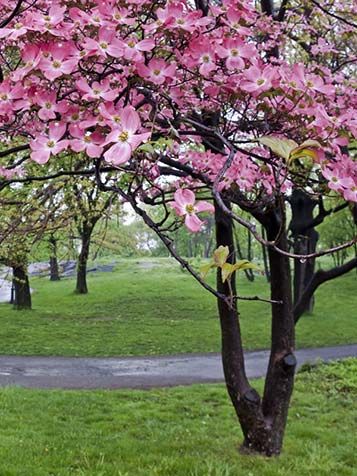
(22, 299)
(54, 271)
(279, 381)
(245, 399)
(305, 239)
(81, 286)
(262, 421)
(319, 278)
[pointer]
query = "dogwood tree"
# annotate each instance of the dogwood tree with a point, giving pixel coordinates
(198, 107)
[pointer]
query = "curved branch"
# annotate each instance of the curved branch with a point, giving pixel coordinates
(12, 15)
(319, 278)
(354, 25)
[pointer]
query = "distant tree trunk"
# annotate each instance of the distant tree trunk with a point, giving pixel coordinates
(81, 286)
(248, 272)
(54, 272)
(209, 241)
(190, 247)
(22, 287)
(265, 258)
(304, 242)
(262, 420)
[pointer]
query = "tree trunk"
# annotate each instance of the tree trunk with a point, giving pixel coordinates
(282, 362)
(21, 285)
(54, 272)
(304, 242)
(81, 286)
(263, 422)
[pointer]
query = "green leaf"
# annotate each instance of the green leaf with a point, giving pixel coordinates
(206, 268)
(281, 147)
(227, 271)
(148, 147)
(220, 255)
(306, 149)
(245, 264)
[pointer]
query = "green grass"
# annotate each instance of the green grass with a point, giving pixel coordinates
(183, 431)
(159, 310)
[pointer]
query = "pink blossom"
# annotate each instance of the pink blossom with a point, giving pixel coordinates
(49, 20)
(257, 80)
(47, 103)
(90, 142)
(350, 191)
(107, 44)
(124, 137)
(203, 56)
(235, 51)
(132, 49)
(97, 90)
(9, 93)
(13, 33)
(31, 56)
(336, 179)
(184, 205)
(157, 71)
(44, 145)
(58, 60)
(175, 15)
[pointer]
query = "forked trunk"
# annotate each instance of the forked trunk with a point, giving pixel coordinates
(262, 421)
(22, 298)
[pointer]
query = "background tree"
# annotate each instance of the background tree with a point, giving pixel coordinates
(89, 205)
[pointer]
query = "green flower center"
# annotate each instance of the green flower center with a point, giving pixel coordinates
(123, 137)
(190, 209)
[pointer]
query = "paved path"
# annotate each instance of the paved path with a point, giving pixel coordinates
(140, 372)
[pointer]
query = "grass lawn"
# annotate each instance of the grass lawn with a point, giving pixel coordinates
(183, 431)
(159, 310)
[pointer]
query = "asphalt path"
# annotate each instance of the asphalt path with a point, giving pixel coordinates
(141, 372)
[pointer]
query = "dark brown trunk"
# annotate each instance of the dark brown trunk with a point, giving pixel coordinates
(280, 375)
(246, 401)
(263, 421)
(22, 298)
(81, 286)
(305, 239)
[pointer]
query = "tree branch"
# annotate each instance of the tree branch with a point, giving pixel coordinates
(317, 279)
(13, 14)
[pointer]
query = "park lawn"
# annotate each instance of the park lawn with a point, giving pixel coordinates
(182, 431)
(159, 310)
